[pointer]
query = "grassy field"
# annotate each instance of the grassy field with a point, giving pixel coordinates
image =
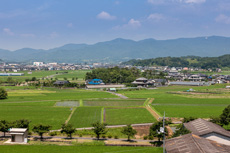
(116, 116)
(116, 103)
(54, 94)
(74, 149)
(209, 102)
(85, 116)
(37, 112)
(189, 110)
(80, 74)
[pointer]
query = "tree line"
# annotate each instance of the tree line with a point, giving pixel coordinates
(114, 75)
(185, 61)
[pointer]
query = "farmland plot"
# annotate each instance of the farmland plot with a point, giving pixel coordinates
(119, 116)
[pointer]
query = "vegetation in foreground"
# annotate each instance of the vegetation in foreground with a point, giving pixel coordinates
(75, 149)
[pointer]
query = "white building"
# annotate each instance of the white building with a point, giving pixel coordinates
(19, 135)
(38, 63)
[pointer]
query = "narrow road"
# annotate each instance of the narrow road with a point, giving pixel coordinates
(153, 112)
(109, 126)
(87, 138)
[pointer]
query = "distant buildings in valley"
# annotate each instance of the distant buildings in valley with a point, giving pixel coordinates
(173, 74)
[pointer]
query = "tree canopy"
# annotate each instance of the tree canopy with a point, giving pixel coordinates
(68, 129)
(129, 131)
(3, 93)
(4, 126)
(186, 61)
(114, 75)
(41, 129)
(99, 129)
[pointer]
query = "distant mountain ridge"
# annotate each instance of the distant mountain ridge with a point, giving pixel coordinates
(119, 49)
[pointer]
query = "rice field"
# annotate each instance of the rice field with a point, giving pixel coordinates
(115, 103)
(35, 112)
(85, 116)
(121, 116)
(75, 149)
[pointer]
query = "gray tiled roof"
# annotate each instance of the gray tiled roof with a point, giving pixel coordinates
(191, 143)
(201, 127)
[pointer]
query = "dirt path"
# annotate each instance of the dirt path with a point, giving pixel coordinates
(153, 112)
(120, 95)
(73, 110)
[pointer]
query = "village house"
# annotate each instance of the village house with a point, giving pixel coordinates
(205, 136)
(19, 135)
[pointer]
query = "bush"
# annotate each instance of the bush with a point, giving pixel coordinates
(110, 136)
(151, 137)
(3, 93)
(54, 133)
(116, 137)
(145, 137)
(80, 135)
(103, 136)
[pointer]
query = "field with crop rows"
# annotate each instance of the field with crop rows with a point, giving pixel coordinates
(119, 116)
(206, 101)
(75, 149)
(36, 112)
(85, 116)
(116, 103)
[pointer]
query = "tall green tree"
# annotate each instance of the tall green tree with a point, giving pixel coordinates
(68, 129)
(99, 129)
(22, 123)
(4, 126)
(155, 128)
(3, 93)
(225, 116)
(41, 129)
(180, 130)
(129, 131)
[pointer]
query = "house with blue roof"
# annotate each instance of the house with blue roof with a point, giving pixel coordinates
(94, 82)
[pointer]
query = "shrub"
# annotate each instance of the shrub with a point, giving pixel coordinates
(103, 136)
(110, 136)
(151, 137)
(54, 133)
(80, 135)
(145, 137)
(116, 137)
(3, 93)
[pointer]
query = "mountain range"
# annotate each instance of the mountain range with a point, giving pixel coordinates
(119, 50)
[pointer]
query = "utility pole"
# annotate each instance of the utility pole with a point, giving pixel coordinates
(162, 130)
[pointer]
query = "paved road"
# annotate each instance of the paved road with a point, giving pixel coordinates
(109, 126)
(87, 138)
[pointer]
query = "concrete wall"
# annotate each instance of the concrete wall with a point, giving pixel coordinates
(19, 138)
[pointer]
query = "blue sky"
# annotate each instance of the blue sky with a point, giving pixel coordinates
(44, 24)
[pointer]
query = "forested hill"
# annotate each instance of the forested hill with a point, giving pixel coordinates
(119, 50)
(186, 61)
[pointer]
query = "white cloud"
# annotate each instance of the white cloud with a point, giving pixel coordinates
(28, 35)
(155, 17)
(54, 35)
(223, 19)
(134, 23)
(195, 1)
(105, 16)
(43, 7)
(70, 25)
(155, 2)
(117, 2)
(8, 31)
